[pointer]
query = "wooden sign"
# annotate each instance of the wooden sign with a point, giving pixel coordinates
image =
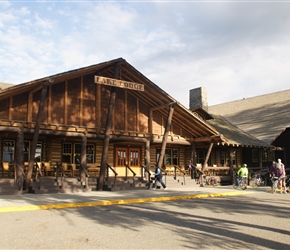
(119, 83)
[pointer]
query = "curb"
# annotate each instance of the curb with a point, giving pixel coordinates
(116, 202)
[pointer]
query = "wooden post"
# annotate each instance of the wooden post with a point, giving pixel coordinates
(19, 157)
(205, 163)
(147, 153)
(193, 159)
(107, 133)
(232, 153)
(260, 158)
(83, 158)
(164, 140)
(192, 154)
(35, 135)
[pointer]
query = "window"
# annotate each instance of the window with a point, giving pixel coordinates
(90, 153)
(38, 152)
(225, 158)
(67, 152)
(8, 151)
(200, 156)
(26, 151)
(171, 156)
(255, 155)
(71, 153)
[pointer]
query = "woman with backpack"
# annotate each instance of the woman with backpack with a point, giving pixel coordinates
(281, 174)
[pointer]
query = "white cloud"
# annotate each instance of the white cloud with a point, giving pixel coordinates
(235, 50)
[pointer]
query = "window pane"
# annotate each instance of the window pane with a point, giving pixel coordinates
(67, 153)
(26, 151)
(38, 152)
(8, 151)
(168, 157)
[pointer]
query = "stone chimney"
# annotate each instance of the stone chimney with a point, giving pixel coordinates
(198, 99)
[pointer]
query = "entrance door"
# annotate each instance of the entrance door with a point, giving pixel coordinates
(129, 156)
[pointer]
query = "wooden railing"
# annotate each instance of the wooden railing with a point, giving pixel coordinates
(148, 174)
(59, 173)
(131, 170)
(113, 170)
(180, 171)
(164, 173)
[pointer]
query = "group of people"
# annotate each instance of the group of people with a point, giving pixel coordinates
(277, 169)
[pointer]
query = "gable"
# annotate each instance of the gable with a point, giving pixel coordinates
(74, 100)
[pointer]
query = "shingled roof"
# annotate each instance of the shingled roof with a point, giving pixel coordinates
(4, 85)
(263, 117)
(234, 135)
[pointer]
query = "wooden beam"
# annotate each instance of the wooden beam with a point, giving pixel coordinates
(10, 108)
(83, 159)
(163, 106)
(205, 163)
(108, 132)
(98, 106)
(81, 101)
(126, 110)
(49, 104)
(19, 157)
(65, 102)
(35, 135)
(164, 141)
(29, 107)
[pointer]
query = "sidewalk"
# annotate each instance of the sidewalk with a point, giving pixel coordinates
(10, 203)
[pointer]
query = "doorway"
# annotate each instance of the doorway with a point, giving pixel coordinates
(129, 156)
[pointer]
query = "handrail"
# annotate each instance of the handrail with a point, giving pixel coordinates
(86, 174)
(148, 172)
(39, 169)
(164, 173)
(59, 169)
(181, 171)
(83, 168)
(134, 174)
(115, 173)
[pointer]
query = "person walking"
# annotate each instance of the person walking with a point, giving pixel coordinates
(158, 178)
(243, 172)
(281, 174)
(273, 169)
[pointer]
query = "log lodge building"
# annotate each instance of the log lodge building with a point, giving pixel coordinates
(108, 121)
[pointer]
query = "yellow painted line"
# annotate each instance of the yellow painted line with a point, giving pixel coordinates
(115, 202)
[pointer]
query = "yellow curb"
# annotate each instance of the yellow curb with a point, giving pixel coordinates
(278, 190)
(114, 202)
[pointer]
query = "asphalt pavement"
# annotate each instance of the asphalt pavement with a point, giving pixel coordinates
(10, 203)
(184, 217)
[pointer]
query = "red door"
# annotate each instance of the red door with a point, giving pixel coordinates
(129, 156)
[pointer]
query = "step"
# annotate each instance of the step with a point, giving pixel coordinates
(8, 186)
(50, 185)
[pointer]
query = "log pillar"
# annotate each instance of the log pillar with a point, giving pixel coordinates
(166, 132)
(36, 133)
(107, 132)
(205, 163)
(18, 166)
(83, 162)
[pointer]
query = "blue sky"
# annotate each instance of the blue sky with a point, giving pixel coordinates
(235, 49)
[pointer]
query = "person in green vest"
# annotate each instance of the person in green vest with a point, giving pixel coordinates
(243, 172)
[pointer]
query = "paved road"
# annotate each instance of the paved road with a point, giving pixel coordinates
(199, 218)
